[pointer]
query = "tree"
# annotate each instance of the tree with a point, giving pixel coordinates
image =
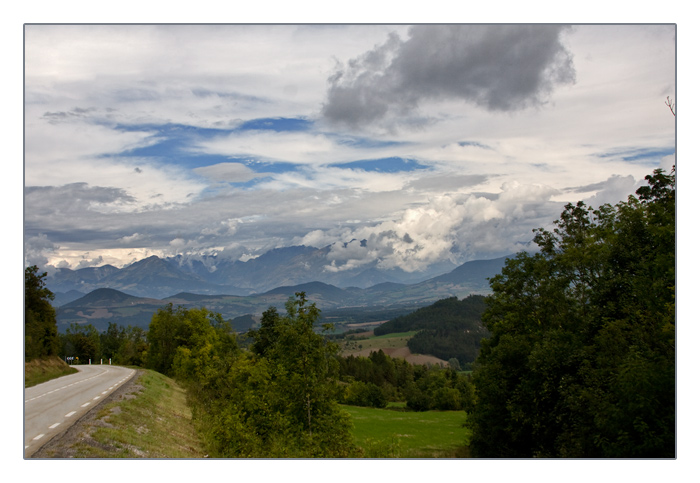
(134, 347)
(293, 372)
(165, 333)
(581, 358)
(183, 342)
(82, 341)
(112, 340)
(40, 330)
(367, 394)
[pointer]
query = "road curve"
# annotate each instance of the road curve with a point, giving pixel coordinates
(53, 406)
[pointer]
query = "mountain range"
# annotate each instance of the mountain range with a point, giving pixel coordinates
(156, 277)
(130, 296)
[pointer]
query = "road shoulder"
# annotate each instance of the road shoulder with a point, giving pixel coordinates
(61, 445)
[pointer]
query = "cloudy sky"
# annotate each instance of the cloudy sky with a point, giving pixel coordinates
(431, 142)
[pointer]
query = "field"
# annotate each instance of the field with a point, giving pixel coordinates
(394, 345)
(384, 433)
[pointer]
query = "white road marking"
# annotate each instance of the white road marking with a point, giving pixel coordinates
(95, 398)
(68, 385)
(55, 425)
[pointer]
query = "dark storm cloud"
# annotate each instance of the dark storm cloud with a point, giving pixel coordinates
(497, 67)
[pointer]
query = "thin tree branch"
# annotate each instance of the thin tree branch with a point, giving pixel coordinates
(671, 105)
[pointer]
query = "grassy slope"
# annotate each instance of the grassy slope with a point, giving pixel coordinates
(42, 370)
(383, 433)
(156, 423)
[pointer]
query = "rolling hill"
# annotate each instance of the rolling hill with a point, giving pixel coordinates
(344, 305)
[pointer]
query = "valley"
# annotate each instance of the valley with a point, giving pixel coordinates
(131, 295)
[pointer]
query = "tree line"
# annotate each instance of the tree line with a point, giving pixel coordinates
(378, 379)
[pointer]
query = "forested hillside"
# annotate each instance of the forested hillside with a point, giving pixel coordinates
(449, 328)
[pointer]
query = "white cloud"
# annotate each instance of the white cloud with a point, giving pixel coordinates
(441, 229)
(228, 172)
(294, 147)
(131, 239)
(95, 92)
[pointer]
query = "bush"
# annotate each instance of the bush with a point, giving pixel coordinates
(364, 394)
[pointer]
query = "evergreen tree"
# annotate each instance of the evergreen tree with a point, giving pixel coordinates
(40, 330)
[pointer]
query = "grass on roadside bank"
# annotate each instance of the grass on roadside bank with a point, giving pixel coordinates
(154, 423)
(383, 433)
(41, 370)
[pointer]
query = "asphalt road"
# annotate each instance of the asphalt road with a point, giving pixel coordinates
(53, 406)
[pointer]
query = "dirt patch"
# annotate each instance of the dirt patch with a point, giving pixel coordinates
(367, 324)
(61, 445)
(97, 314)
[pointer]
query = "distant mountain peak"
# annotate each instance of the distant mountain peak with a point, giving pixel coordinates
(106, 296)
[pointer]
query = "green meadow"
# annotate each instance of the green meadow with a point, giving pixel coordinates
(386, 433)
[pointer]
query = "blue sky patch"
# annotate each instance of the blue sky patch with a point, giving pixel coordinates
(640, 155)
(277, 124)
(383, 165)
(175, 142)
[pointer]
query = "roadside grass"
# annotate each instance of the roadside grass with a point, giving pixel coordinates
(153, 423)
(384, 433)
(45, 369)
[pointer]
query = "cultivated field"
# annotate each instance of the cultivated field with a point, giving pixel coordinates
(393, 345)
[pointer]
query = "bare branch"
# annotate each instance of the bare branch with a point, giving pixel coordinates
(671, 105)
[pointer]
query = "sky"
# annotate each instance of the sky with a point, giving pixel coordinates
(426, 142)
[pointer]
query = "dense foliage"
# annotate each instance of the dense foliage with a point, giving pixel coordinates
(374, 380)
(40, 330)
(276, 400)
(581, 357)
(449, 328)
(84, 344)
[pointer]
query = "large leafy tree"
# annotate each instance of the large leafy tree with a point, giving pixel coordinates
(40, 330)
(581, 358)
(304, 371)
(185, 342)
